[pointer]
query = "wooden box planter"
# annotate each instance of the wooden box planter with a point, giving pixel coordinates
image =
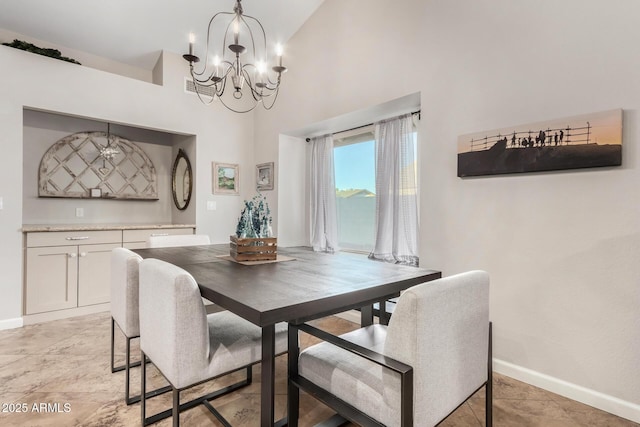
(253, 249)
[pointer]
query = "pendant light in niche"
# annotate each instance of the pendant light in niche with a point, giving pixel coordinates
(108, 152)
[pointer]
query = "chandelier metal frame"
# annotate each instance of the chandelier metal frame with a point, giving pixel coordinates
(216, 73)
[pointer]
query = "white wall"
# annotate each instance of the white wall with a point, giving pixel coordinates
(292, 225)
(85, 58)
(561, 247)
(41, 83)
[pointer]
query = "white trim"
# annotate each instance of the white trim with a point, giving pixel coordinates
(64, 314)
(613, 405)
(11, 323)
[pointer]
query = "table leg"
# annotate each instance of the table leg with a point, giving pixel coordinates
(267, 374)
(383, 316)
(293, 394)
(366, 315)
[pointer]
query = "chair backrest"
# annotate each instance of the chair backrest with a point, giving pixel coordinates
(441, 328)
(124, 290)
(173, 322)
(178, 240)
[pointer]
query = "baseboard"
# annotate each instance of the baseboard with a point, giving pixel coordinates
(31, 319)
(11, 323)
(613, 405)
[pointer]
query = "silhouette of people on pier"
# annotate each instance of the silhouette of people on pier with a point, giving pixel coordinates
(543, 138)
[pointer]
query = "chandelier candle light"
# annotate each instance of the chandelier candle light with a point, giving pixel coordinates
(238, 64)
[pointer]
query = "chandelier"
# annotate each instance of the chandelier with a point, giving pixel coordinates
(241, 67)
(109, 151)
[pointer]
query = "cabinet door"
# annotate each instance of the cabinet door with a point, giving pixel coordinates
(51, 279)
(94, 273)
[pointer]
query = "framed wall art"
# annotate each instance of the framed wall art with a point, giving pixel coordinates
(225, 178)
(586, 141)
(264, 176)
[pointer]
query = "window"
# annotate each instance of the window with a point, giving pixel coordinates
(355, 177)
(354, 161)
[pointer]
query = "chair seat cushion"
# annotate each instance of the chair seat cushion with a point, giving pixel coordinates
(357, 381)
(235, 342)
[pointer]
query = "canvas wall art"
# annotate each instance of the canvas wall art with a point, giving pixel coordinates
(225, 178)
(264, 176)
(586, 141)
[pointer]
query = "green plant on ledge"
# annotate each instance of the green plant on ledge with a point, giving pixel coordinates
(51, 53)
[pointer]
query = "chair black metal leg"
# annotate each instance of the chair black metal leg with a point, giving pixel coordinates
(335, 421)
(127, 366)
(143, 389)
(190, 404)
(130, 400)
(216, 414)
(113, 339)
(121, 367)
(249, 374)
(176, 407)
(489, 386)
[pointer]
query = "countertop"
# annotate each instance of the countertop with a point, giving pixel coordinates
(29, 228)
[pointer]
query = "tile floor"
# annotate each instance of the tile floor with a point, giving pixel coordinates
(59, 373)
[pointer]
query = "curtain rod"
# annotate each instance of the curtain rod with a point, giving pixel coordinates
(364, 126)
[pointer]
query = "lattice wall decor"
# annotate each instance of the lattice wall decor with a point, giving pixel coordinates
(73, 166)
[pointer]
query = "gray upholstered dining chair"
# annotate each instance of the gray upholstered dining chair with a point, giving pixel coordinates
(434, 354)
(124, 312)
(182, 240)
(178, 240)
(188, 346)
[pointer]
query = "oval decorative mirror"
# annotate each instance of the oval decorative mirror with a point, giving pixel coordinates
(182, 180)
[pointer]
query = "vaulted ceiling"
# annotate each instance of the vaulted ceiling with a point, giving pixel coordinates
(134, 32)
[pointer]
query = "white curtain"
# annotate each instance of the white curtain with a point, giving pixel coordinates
(324, 223)
(396, 237)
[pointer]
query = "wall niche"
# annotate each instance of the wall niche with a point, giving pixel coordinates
(43, 129)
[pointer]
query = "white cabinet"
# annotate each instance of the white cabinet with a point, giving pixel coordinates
(51, 279)
(94, 273)
(72, 269)
(68, 269)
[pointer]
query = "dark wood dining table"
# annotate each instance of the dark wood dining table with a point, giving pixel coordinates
(311, 286)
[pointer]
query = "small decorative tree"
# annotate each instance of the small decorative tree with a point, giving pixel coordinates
(255, 219)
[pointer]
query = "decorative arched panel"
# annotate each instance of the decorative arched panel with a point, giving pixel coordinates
(73, 167)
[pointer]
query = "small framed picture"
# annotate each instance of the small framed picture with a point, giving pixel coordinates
(96, 193)
(225, 178)
(264, 176)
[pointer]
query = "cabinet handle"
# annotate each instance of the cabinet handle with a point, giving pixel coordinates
(159, 234)
(72, 255)
(83, 254)
(78, 238)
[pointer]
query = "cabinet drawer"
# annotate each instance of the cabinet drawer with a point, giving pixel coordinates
(59, 238)
(144, 234)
